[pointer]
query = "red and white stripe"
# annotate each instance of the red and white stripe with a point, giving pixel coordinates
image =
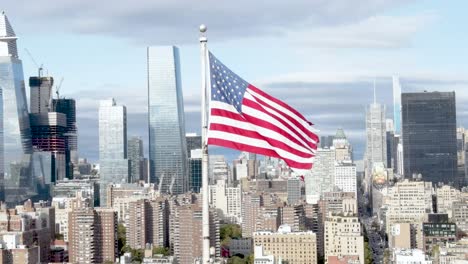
(266, 126)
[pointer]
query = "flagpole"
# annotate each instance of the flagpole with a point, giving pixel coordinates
(204, 125)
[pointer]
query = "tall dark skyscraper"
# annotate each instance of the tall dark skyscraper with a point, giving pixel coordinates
(135, 157)
(195, 181)
(67, 106)
(430, 136)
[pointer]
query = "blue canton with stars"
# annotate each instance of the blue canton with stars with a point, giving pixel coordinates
(226, 86)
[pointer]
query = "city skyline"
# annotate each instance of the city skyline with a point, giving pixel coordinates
(401, 34)
(109, 167)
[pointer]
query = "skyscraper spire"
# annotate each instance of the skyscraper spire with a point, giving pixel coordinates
(16, 130)
(375, 97)
(7, 38)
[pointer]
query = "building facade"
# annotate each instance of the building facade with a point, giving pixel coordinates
(286, 245)
(294, 186)
(376, 142)
(167, 143)
(193, 142)
(114, 165)
(321, 176)
(345, 176)
(148, 223)
(430, 136)
(67, 106)
(195, 172)
(92, 235)
(16, 131)
(343, 237)
(136, 158)
(188, 233)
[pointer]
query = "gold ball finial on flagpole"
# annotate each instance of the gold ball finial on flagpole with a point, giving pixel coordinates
(203, 28)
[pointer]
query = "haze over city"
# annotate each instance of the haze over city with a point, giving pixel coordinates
(319, 57)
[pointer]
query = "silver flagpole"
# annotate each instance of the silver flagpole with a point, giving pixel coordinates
(204, 125)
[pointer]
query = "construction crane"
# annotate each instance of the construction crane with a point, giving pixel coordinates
(57, 88)
(39, 68)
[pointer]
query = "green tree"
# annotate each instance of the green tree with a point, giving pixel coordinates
(250, 259)
(122, 239)
(368, 257)
(386, 256)
(231, 231)
(137, 255)
(236, 260)
(161, 250)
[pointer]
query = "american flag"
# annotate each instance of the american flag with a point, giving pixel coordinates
(245, 118)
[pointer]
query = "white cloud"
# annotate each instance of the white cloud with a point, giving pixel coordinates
(376, 31)
(164, 21)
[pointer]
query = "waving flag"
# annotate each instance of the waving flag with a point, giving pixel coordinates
(245, 118)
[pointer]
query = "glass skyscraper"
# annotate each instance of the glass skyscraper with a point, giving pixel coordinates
(113, 162)
(193, 142)
(16, 132)
(167, 144)
(396, 105)
(430, 136)
(135, 156)
(376, 142)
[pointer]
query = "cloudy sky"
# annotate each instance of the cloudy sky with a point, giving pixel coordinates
(320, 56)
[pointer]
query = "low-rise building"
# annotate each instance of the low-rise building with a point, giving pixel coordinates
(285, 245)
(454, 252)
(261, 258)
(240, 246)
(26, 232)
(438, 231)
(410, 256)
(343, 237)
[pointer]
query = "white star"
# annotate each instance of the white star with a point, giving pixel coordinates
(235, 81)
(218, 91)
